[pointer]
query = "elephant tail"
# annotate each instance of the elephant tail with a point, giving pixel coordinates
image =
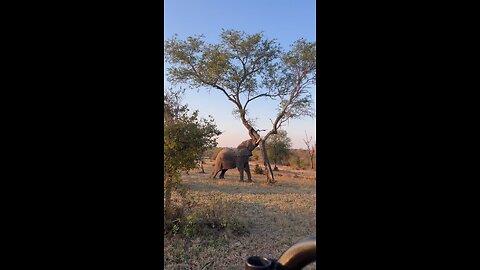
(215, 171)
(217, 166)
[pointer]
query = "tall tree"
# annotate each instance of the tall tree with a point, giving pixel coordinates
(246, 68)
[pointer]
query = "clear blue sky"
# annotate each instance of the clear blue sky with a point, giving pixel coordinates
(284, 20)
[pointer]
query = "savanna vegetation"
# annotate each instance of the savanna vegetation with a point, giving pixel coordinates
(218, 223)
(247, 68)
(225, 221)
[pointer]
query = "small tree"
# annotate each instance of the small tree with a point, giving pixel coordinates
(311, 149)
(200, 164)
(186, 137)
(278, 147)
(298, 162)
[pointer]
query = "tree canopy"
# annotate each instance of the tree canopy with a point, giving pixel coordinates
(278, 147)
(186, 136)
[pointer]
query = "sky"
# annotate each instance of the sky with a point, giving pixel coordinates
(283, 20)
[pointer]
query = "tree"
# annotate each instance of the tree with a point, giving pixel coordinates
(278, 147)
(186, 137)
(311, 149)
(246, 68)
(173, 110)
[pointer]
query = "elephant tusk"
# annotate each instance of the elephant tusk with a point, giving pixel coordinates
(258, 141)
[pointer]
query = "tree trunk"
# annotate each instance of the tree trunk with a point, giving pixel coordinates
(254, 135)
(168, 195)
(266, 163)
(201, 166)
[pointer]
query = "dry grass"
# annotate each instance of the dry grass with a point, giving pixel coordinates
(277, 217)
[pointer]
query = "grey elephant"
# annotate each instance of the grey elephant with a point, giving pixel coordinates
(235, 158)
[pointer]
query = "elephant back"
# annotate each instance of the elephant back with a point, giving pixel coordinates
(243, 152)
(226, 153)
(226, 159)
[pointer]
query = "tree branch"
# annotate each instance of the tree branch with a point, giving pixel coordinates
(225, 92)
(261, 95)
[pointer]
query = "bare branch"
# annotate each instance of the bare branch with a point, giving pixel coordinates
(225, 92)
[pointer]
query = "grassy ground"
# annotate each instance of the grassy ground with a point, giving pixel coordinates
(276, 217)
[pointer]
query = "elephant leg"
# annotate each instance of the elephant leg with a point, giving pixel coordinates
(215, 172)
(249, 175)
(222, 174)
(241, 169)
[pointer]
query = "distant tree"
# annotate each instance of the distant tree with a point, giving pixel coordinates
(186, 137)
(278, 147)
(245, 68)
(312, 148)
(298, 162)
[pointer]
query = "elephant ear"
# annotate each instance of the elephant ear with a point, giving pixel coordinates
(245, 148)
(244, 152)
(249, 144)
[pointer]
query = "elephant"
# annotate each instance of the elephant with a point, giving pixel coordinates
(235, 158)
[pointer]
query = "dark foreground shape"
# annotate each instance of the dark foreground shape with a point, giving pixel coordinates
(257, 262)
(295, 258)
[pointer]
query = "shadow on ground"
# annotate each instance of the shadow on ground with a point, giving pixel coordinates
(231, 184)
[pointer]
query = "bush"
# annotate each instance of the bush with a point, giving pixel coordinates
(298, 159)
(299, 163)
(186, 138)
(258, 170)
(175, 216)
(257, 155)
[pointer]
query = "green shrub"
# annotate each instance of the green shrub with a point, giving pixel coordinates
(190, 227)
(257, 155)
(186, 137)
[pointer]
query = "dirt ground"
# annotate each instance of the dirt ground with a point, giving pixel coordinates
(278, 216)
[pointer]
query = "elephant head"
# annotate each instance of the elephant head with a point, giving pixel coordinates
(246, 148)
